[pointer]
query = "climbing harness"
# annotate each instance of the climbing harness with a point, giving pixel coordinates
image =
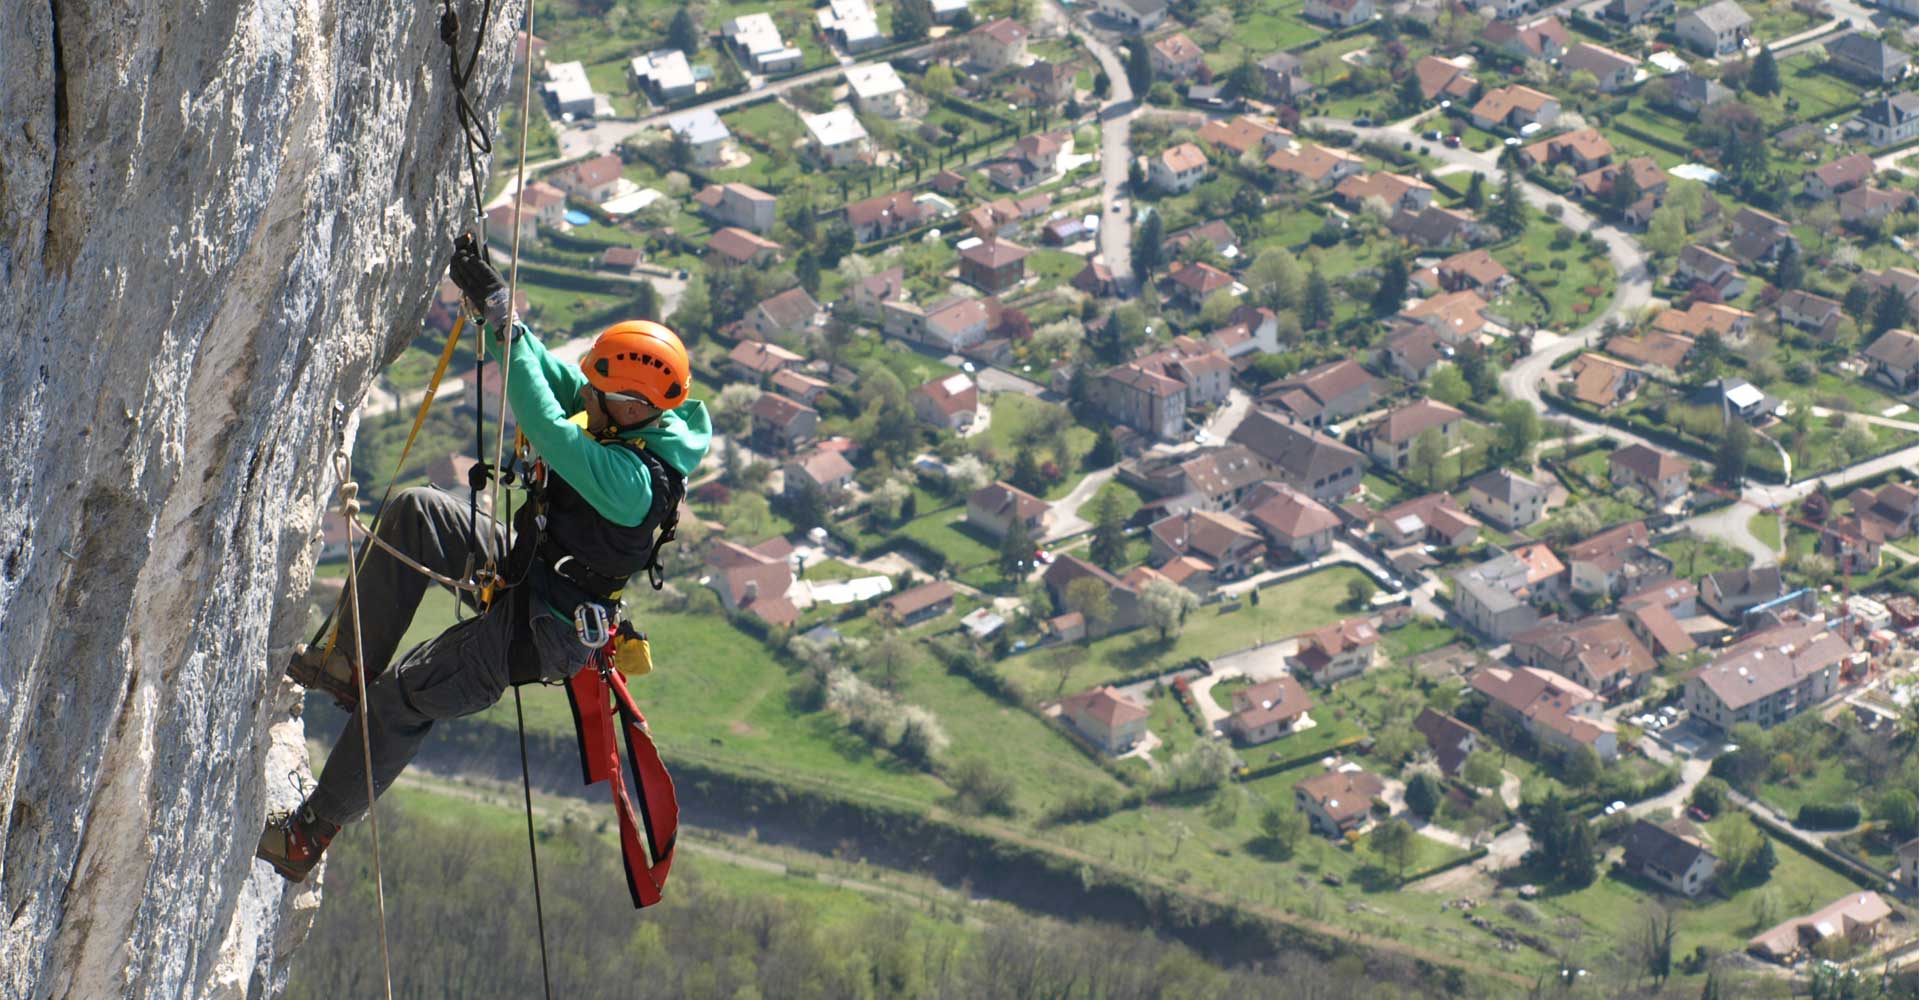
(648, 806)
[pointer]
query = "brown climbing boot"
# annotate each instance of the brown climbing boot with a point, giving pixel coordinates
(292, 844)
(331, 673)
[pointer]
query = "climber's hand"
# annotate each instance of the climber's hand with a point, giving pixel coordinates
(485, 293)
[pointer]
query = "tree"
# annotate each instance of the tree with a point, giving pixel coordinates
(1409, 95)
(1139, 68)
(1580, 857)
(683, 33)
(910, 21)
(806, 268)
(1016, 551)
(1710, 796)
(1317, 310)
(1624, 192)
(1889, 310)
(1791, 269)
(1730, 459)
(1429, 451)
(1359, 592)
(1109, 547)
(1088, 597)
(1423, 794)
(1274, 279)
(1580, 767)
(1149, 246)
(1666, 233)
(1391, 293)
(838, 244)
(1105, 451)
(1283, 827)
(694, 316)
(1026, 472)
(1765, 78)
(1657, 943)
(1510, 211)
(1481, 770)
(938, 81)
(1738, 842)
(646, 301)
(1477, 191)
(1393, 842)
(1518, 432)
(1165, 605)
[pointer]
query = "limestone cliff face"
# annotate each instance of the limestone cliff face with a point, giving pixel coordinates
(217, 219)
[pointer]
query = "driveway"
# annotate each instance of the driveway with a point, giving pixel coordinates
(1066, 520)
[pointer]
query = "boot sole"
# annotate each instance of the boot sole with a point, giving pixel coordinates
(284, 867)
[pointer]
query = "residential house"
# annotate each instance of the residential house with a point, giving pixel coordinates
(997, 507)
(1544, 38)
(1585, 149)
(1472, 270)
(1653, 614)
(1867, 59)
(794, 385)
(522, 48)
(1194, 282)
(593, 181)
(1506, 498)
(1703, 318)
(1866, 207)
(1815, 314)
(1457, 316)
(838, 137)
(568, 91)
(1600, 654)
(948, 11)
(1895, 507)
(1893, 360)
(1699, 265)
(1514, 107)
(1268, 711)
(1228, 545)
(1150, 402)
(1679, 863)
(823, 469)
(1398, 192)
(1110, 719)
(1313, 167)
(1844, 174)
(999, 44)
(1505, 10)
(1892, 120)
(1663, 477)
(1095, 279)
(737, 247)
(1636, 12)
(622, 260)
(781, 423)
(1414, 353)
(1390, 440)
(1444, 80)
(1449, 740)
(877, 89)
(1337, 801)
(1051, 82)
(704, 134)
(1718, 29)
(1556, 712)
(1757, 237)
(993, 265)
(1615, 560)
(790, 312)
(1437, 228)
(1042, 153)
(1122, 598)
(663, 75)
(1602, 382)
(1135, 15)
(1655, 349)
(853, 25)
(1768, 677)
(1249, 330)
(756, 41)
(948, 403)
(1295, 524)
(755, 580)
(1175, 57)
(1339, 13)
(1324, 394)
(1856, 919)
(885, 215)
(1216, 479)
(1904, 280)
(1284, 77)
(1692, 93)
(1610, 68)
(737, 205)
(1853, 543)
(923, 603)
(1495, 597)
(1215, 235)
(953, 324)
(1177, 169)
(756, 360)
(1337, 651)
(1733, 592)
(1434, 519)
(1243, 134)
(1303, 458)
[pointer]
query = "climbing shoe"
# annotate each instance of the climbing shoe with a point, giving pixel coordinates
(329, 672)
(293, 843)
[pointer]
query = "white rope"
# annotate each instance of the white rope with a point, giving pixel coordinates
(409, 562)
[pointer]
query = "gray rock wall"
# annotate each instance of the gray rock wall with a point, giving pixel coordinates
(217, 219)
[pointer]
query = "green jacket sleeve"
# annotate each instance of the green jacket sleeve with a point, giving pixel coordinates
(544, 393)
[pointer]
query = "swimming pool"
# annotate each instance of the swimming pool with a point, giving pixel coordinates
(575, 217)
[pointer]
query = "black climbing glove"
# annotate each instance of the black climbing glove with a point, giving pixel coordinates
(486, 294)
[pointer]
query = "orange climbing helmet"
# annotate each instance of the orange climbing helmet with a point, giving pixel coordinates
(642, 360)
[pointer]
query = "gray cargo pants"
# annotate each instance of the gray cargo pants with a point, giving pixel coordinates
(458, 672)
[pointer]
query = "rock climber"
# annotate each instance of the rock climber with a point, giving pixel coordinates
(617, 438)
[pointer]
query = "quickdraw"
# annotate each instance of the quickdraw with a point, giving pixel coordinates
(643, 795)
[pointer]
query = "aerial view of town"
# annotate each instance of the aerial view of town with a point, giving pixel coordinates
(1428, 486)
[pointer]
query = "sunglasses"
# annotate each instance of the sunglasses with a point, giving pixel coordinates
(623, 397)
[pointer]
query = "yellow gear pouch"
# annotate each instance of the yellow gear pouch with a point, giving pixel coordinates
(632, 654)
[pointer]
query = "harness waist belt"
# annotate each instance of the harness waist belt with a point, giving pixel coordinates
(570, 566)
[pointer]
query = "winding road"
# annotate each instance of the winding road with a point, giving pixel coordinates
(1116, 149)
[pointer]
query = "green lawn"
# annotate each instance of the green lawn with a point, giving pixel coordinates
(946, 531)
(1287, 609)
(1131, 499)
(1694, 557)
(1576, 281)
(913, 369)
(1019, 420)
(1828, 783)
(1409, 641)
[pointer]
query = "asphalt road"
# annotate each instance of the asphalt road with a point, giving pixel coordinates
(1116, 152)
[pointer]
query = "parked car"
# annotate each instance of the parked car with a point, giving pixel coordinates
(1451, 142)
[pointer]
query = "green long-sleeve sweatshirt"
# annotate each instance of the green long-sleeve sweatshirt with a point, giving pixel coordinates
(545, 395)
